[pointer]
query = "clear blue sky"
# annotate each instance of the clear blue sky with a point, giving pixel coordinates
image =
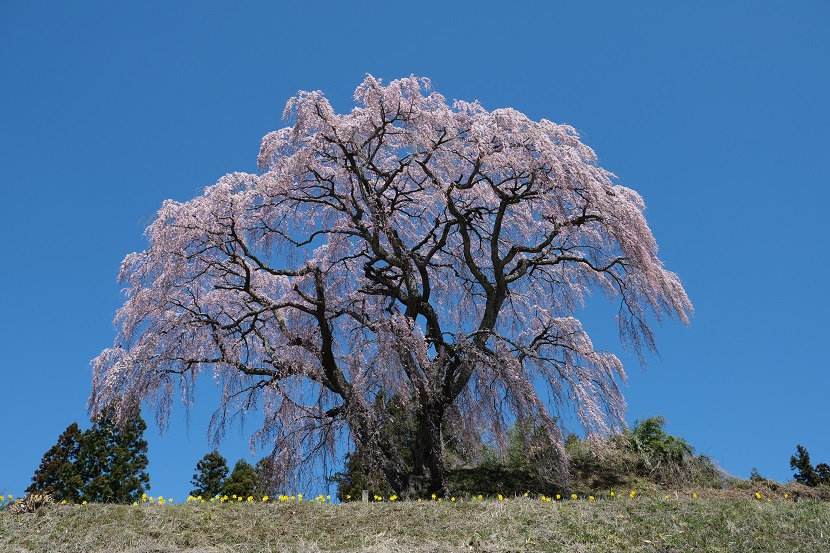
(716, 112)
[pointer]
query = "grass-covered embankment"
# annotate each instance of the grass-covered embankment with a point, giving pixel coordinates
(609, 524)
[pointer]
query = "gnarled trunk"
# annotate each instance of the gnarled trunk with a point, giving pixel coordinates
(428, 470)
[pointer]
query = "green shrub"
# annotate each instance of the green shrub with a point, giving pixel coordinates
(595, 464)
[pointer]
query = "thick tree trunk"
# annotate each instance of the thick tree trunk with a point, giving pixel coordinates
(429, 471)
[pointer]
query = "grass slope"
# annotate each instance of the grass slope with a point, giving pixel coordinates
(619, 524)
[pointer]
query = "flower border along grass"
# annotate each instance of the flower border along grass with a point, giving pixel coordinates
(618, 522)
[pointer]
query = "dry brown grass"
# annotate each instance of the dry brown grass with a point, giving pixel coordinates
(620, 524)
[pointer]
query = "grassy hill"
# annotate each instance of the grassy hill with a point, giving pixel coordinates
(678, 523)
(667, 501)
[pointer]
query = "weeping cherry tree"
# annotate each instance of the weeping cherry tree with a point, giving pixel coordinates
(413, 249)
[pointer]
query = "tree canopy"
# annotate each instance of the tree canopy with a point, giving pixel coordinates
(242, 482)
(431, 252)
(105, 463)
(803, 470)
(211, 471)
(113, 458)
(57, 474)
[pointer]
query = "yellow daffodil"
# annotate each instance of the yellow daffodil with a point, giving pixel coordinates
(573, 496)
(757, 495)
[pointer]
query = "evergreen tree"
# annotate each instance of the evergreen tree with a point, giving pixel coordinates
(103, 464)
(113, 459)
(242, 480)
(57, 474)
(805, 473)
(210, 473)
